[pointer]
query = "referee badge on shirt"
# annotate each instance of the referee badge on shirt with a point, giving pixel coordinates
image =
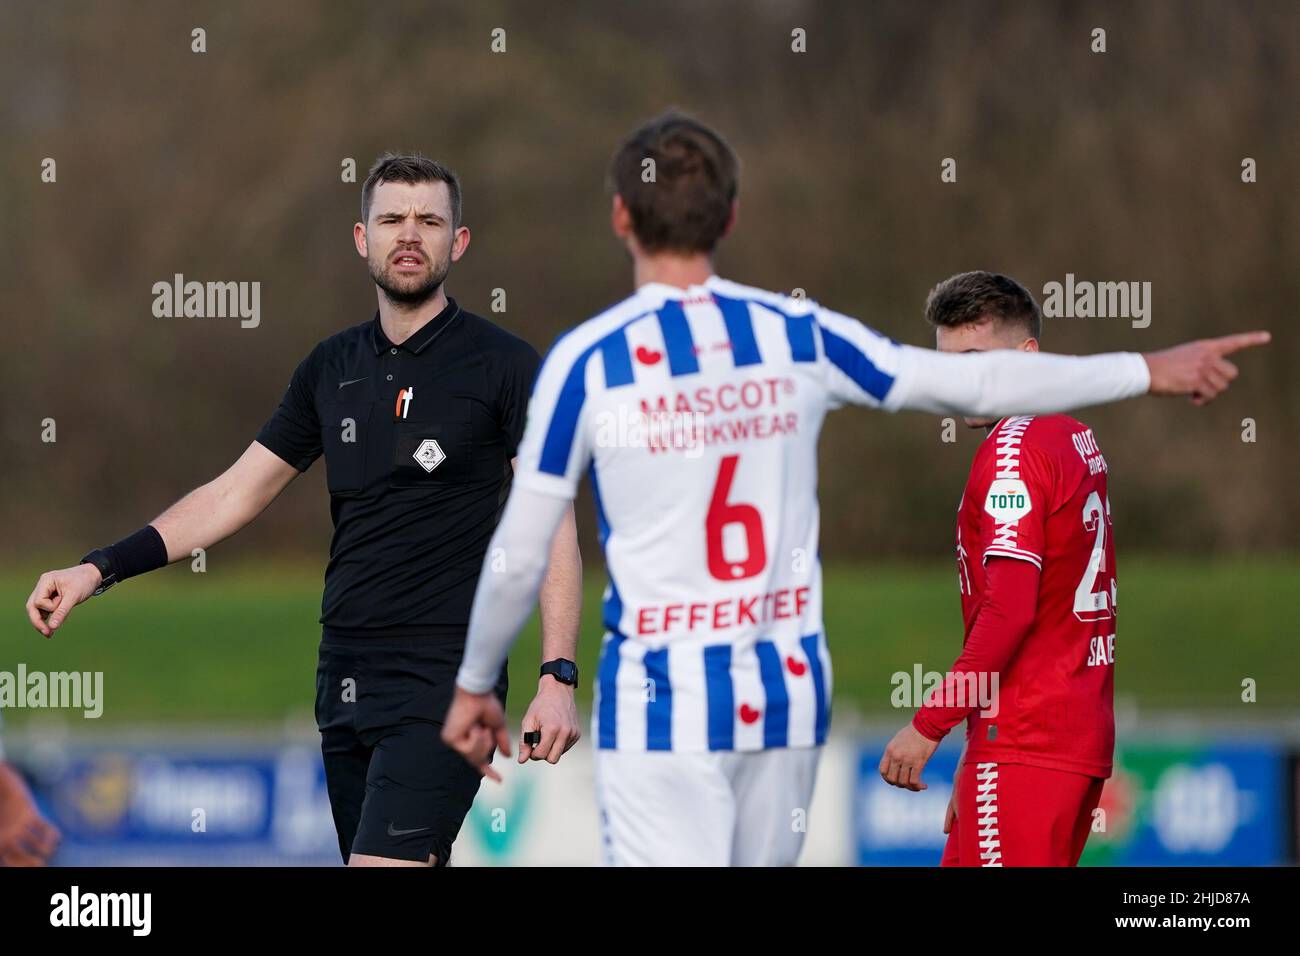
(429, 455)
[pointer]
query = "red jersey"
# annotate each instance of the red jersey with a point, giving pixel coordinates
(1037, 493)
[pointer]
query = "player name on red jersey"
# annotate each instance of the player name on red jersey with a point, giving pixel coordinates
(1085, 443)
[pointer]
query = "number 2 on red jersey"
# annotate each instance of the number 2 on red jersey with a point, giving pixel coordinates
(1091, 604)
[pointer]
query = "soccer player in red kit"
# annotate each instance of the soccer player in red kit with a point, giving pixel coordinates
(1036, 568)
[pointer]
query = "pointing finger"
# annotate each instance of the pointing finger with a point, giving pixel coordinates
(1227, 344)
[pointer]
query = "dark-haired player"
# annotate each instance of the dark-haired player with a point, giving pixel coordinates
(1036, 570)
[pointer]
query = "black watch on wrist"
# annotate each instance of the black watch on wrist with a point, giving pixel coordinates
(108, 577)
(566, 672)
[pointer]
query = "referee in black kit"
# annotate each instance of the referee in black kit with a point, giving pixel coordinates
(418, 413)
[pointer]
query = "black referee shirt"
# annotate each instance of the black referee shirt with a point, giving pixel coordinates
(417, 439)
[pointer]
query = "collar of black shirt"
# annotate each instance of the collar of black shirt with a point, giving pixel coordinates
(423, 335)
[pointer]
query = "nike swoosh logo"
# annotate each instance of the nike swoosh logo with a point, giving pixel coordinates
(353, 381)
(392, 832)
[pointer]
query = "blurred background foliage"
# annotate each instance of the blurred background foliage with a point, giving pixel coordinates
(226, 166)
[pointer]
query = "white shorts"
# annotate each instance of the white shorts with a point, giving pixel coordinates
(723, 808)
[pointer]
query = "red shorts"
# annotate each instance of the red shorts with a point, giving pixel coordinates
(1011, 814)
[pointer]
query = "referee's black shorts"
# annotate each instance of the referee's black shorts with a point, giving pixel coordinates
(396, 790)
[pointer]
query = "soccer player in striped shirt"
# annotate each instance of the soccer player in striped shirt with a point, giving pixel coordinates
(694, 407)
(1036, 571)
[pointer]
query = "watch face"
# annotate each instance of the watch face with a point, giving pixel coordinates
(566, 672)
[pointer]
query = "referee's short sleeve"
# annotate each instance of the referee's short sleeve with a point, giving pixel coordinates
(293, 431)
(519, 372)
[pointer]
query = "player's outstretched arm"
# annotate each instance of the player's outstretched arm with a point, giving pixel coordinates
(1009, 382)
(205, 516)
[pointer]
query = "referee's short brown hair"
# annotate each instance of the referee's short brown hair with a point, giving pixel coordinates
(411, 169)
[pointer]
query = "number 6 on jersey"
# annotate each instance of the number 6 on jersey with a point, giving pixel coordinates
(724, 514)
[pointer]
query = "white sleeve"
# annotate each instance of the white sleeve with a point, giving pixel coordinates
(867, 368)
(1010, 382)
(509, 583)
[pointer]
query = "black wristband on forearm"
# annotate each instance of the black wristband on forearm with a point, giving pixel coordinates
(138, 553)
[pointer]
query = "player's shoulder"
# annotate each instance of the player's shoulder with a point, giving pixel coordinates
(577, 343)
(1056, 448)
(1021, 439)
(795, 308)
(1055, 435)
(780, 302)
(845, 340)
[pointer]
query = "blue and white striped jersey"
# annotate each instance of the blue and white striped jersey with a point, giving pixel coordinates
(696, 413)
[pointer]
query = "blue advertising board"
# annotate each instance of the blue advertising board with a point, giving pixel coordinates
(1208, 803)
(148, 806)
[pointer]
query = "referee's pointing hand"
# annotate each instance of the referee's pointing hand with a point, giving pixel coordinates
(474, 724)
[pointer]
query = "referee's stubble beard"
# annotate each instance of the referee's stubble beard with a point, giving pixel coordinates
(405, 289)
